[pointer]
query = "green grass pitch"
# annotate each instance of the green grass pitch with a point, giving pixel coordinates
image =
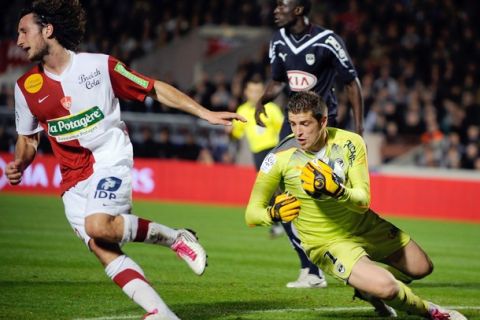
(47, 273)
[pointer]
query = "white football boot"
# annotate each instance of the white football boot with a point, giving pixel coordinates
(308, 280)
(188, 249)
(439, 313)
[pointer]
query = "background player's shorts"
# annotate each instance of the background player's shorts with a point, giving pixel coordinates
(107, 191)
(338, 256)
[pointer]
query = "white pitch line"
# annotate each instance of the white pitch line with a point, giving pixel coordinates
(320, 309)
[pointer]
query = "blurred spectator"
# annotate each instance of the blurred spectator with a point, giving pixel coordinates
(189, 150)
(166, 149)
(147, 147)
(7, 142)
(417, 60)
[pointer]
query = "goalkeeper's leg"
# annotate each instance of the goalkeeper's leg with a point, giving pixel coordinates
(409, 263)
(368, 277)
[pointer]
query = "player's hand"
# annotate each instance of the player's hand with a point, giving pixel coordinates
(286, 208)
(224, 118)
(13, 172)
(259, 110)
(318, 178)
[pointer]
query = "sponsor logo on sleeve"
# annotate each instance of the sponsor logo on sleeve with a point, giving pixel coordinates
(342, 55)
(268, 163)
(301, 80)
(130, 76)
(75, 126)
(33, 83)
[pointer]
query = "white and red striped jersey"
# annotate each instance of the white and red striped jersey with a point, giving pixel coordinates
(80, 112)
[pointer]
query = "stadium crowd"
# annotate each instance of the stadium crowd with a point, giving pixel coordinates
(417, 61)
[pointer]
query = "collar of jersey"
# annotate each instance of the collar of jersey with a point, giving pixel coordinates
(60, 77)
(304, 45)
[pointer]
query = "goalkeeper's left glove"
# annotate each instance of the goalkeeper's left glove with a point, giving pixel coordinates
(318, 178)
(286, 208)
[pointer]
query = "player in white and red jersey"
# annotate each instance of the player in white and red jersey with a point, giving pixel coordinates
(73, 97)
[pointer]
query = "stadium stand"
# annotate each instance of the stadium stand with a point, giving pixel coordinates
(417, 60)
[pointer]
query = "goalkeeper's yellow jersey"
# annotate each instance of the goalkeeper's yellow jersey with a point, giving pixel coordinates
(321, 220)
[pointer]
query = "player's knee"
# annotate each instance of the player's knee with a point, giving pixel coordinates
(387, 290)
(95, 227)
(424, 268)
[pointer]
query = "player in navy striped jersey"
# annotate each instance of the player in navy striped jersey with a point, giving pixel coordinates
(308, 57)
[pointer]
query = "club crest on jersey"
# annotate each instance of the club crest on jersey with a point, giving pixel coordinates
(66, 102)
(301, 80)
(310, 59)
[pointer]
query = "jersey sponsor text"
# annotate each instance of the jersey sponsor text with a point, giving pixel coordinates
(75, 126)
(300, 80)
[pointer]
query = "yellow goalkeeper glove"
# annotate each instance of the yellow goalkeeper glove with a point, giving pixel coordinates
(286, 208)
(318, 178)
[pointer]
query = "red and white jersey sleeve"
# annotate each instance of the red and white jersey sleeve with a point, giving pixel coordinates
(80, 112)
(25, 121)
(126, 83)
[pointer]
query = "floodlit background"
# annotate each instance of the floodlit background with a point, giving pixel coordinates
(418, 62)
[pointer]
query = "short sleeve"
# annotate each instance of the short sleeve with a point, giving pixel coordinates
(341, 60)
(276, 63)
(26, 123)
(126, 83)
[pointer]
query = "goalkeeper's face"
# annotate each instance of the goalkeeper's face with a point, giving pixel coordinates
(310, 133)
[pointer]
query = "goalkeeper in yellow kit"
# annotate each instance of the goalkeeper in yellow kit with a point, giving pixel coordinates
(324, 175)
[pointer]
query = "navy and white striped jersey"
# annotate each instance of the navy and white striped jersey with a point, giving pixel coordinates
(311, 62)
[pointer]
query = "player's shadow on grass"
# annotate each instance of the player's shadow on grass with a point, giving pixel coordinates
(459, 285)
(259, 309)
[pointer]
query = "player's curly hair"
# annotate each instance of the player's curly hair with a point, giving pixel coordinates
(67, 17)
(308, 101)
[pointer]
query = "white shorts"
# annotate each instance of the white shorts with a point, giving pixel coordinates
(107, 190)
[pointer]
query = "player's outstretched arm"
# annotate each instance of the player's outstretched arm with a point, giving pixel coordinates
(272, 91)
(25, 151)
(174, 98)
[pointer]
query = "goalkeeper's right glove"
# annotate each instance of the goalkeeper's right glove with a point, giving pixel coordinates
(319, 178)
(286, 208)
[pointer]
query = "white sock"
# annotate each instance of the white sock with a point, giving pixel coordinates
(142, 230)
(130, 277)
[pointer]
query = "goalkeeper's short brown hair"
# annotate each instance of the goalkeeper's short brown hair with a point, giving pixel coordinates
(66, 16)
(308, 101)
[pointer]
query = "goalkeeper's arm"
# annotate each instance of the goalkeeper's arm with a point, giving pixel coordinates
(258, 213)
(319, 179)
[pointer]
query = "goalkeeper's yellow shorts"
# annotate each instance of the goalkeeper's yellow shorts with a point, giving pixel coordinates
(338, 256)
